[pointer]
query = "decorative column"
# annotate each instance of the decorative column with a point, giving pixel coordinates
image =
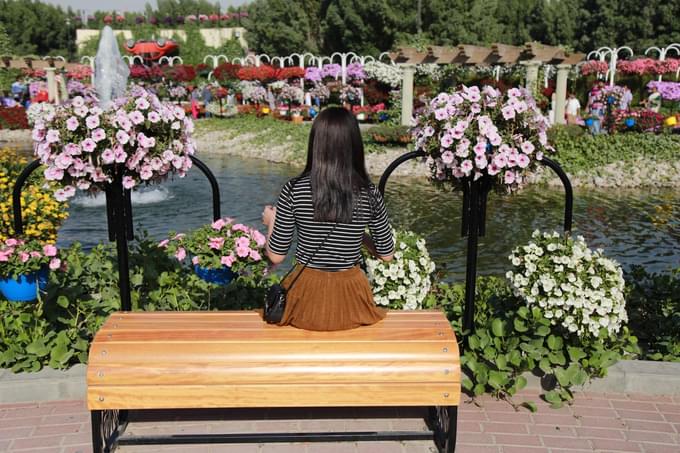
(561, 92)
(52, 89)
(407, 75)
(531, 75)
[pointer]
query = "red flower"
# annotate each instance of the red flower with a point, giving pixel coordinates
(181, 72)
(264, 73)
(293, 72)
(13, 118)
(226, 71)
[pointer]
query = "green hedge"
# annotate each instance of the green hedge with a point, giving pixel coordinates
(580, 151)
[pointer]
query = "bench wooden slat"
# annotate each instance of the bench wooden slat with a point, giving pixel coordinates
(187, 373)
(234, 359)
(298, 351)
(287, 395)
(255, 315)
(215, 334)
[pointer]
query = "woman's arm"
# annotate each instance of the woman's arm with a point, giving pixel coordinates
(269, 218)
(370, 245)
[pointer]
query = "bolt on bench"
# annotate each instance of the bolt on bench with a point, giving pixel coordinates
(205, 360)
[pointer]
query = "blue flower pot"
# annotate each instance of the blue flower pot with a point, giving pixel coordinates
(589, 122)
(25, 288)
(221, 276)
(630, 122)
(312, 112)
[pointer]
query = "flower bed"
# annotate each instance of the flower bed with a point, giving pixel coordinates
(13, 118)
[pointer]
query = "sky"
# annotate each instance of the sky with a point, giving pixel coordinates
(122, 5)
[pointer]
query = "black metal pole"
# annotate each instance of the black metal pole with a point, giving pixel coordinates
(568, 191)
(213, 185)
(119, 216)
(16, 196)
(473, 216)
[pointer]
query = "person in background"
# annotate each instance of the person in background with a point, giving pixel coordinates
(626, 99)
(195, 96)
(207, 99)
(596, 107)
(653, 102)
(573, 109)
(18, 88)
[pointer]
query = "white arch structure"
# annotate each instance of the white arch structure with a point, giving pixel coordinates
(613, 54)
(170, 60)
(662, 51)
(215, 59)
(133, 59)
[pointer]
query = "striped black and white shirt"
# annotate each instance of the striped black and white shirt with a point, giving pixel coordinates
(342, 249)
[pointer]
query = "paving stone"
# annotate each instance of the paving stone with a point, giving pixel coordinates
(616, 445)
(33, 443)
(599, 433)
(641, 415)
(566, 442)
(510, 428)
(517, 439)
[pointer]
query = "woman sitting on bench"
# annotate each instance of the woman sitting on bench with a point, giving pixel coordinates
(330, 204)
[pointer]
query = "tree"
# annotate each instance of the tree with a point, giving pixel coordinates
(281, 27)
(362, 26)
(5, 42)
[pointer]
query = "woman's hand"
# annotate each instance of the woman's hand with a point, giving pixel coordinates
(269, 215)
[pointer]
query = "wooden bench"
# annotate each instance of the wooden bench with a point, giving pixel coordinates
(200, 360)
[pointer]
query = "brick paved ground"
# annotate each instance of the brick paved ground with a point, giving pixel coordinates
(595, 422)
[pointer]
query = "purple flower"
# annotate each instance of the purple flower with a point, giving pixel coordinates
(331, 70)
(154, 117)
(136, 117)
(509, 177)
(92, 121)
(128, 182)
(446, 141)
(88, 145)
(508, 112)
(98, 135)
(527, 147)
(122, 137)
(52, 136)
(108, 157)
(447, 157)
(466, 166)
(72, 123)
(54, 174)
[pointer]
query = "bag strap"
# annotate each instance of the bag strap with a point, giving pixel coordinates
(304, 266)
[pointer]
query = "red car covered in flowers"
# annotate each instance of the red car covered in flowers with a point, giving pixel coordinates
(152, 50)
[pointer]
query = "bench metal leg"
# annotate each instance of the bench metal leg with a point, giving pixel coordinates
(107, 427)
(443, 421)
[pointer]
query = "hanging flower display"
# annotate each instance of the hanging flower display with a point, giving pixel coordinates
(331, 70)
(350, 94)
(84, 147)
(594, 67)
(313, 74)
(473, 133)
(355, 71)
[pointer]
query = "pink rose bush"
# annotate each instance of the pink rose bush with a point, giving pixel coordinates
(475, 132)
(594, 67)
(219, 244)
(20, 257)
(84, 147)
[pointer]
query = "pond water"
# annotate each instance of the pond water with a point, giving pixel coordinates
(634, 227)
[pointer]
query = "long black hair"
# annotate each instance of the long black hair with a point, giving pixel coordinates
(335, 164)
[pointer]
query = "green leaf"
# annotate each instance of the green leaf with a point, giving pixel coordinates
(473, 341)
(38, 348)
(553, 397)
(467, 383)
(479, 389)
(497, 379)
(520, 326)
(544, 365)
(542, 331)
(557, 358)
(554, 342)
(575, 354)
(498, 327)
(520, 382)
(62, 301)
(530, 405)
(501, 362)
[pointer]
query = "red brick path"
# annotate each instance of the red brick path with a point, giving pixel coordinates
(595, 422)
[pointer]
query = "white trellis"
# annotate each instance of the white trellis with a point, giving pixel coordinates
(613, 54)
(385, 54)
(215, 59)
(89, 61)
(662, 51)
(133, 59)
(170, 60)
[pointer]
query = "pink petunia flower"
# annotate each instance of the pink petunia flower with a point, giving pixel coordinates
(55, 263)
(49, 250)
(180, 254)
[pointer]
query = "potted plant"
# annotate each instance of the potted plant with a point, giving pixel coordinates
(25, 267)
(139, 140)
(220, 251)
(478, 133)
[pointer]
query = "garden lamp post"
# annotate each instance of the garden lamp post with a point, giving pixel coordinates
(662, 51)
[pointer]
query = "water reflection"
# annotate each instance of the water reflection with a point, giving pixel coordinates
(634, 227)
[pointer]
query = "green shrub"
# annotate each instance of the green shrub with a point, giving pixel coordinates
(578, 151)
(653, 304)
(57, 330)
(511, 339)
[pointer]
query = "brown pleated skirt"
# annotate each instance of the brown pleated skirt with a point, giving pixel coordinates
(323, 300)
